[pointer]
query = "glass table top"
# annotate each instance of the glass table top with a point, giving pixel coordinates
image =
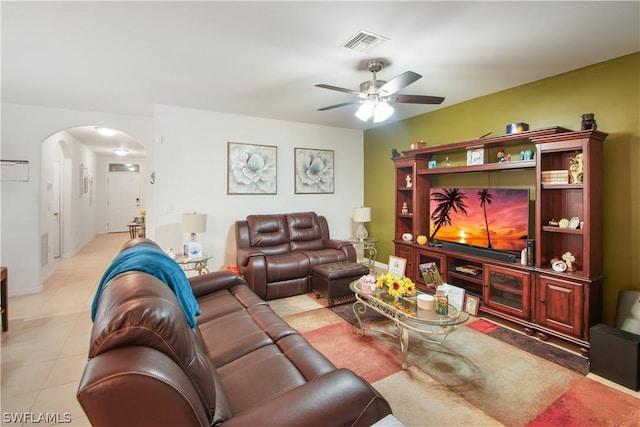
(407, 307)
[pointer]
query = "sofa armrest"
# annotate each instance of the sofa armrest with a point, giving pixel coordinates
(337, 398)
(215, 281)
(244, 255)
(341, 245)
(139, 386)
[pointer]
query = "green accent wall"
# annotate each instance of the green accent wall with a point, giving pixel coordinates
(610, 90)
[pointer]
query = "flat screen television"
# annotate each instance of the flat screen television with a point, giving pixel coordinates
(491, 218)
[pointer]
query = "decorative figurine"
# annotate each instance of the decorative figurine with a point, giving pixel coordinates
(409, 183)
(588, 122)
(502, 157)
(568, 259)
(526, 155)
(405, 209)
(394, 153)
(576, 169)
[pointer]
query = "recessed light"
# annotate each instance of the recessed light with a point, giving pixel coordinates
(121, 151)
(106, 131)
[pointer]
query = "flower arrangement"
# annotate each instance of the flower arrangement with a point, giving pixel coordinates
(396, 287)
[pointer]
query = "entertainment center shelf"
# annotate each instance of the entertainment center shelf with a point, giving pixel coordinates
(560, 292)
(519, 164)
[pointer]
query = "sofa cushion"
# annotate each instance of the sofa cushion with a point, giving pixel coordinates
(325, 256)
(226, 301)
(292, 265)
(269, 233)
(305, 232)
(282, 366)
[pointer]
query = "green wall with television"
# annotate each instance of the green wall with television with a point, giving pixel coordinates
(610, 90)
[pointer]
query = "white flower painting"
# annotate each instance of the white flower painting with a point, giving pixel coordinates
(252, 169)
(314, 171)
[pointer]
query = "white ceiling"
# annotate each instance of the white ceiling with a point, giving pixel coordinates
(263, 58)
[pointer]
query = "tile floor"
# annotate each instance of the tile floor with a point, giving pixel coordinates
(45, 350)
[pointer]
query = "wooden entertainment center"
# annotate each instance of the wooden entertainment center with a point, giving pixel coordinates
(567, 218)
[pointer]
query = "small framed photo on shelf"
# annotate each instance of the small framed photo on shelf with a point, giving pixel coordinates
(397, 266)
(476, 155)
(471, 304)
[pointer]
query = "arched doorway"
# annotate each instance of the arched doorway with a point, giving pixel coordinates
(74, 193)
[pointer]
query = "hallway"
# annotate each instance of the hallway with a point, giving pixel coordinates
(45, 349)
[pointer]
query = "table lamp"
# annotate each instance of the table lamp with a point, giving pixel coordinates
(193, 223)
(362, 215)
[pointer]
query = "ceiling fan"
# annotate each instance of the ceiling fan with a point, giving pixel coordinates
(376, 95)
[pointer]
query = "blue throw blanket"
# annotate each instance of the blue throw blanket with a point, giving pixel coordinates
(150, 259)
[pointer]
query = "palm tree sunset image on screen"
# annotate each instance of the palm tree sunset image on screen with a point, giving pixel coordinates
(494, 218)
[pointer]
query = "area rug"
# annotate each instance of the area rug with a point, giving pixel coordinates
(590, 403)
(474, 379)
(486, 373)
(370, 358)
(541, 349)
(532, 345)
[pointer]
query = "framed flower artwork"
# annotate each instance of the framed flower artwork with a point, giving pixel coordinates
(314, 171)
(251, 168)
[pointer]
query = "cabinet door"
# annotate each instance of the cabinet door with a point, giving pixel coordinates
(507, 290)
(408, 253)
(559, 305)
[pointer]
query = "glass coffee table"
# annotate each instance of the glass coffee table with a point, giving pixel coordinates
(407, 316)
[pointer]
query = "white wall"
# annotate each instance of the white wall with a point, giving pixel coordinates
(191, 175)
(189, 155)
(24, 128)
(78, 211)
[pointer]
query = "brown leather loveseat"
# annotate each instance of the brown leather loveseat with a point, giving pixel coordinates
(276, 253)
(240, 365)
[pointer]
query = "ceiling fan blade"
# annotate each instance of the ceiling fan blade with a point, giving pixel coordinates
(338, 105)
(399, 82)
(339, 89)
(417, 99)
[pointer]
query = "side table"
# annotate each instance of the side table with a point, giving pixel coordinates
(366, 251)
(199, 264)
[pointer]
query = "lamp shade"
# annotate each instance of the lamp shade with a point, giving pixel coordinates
(361, 214)
(194, 222)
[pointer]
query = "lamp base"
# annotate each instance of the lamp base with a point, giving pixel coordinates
(362, 233)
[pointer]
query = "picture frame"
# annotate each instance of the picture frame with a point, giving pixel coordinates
(252, 168)
(397, 266)
(431, 274)
(314, 171)
(471, 304)
(476, 156)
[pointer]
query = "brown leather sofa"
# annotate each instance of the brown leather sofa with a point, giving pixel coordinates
(276, 253)
(241, 365)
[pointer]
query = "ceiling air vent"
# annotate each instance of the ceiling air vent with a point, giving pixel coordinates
(364, 41)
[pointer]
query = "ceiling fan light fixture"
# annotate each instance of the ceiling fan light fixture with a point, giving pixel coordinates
(382, 112)
(106, 131)
(365, 111)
